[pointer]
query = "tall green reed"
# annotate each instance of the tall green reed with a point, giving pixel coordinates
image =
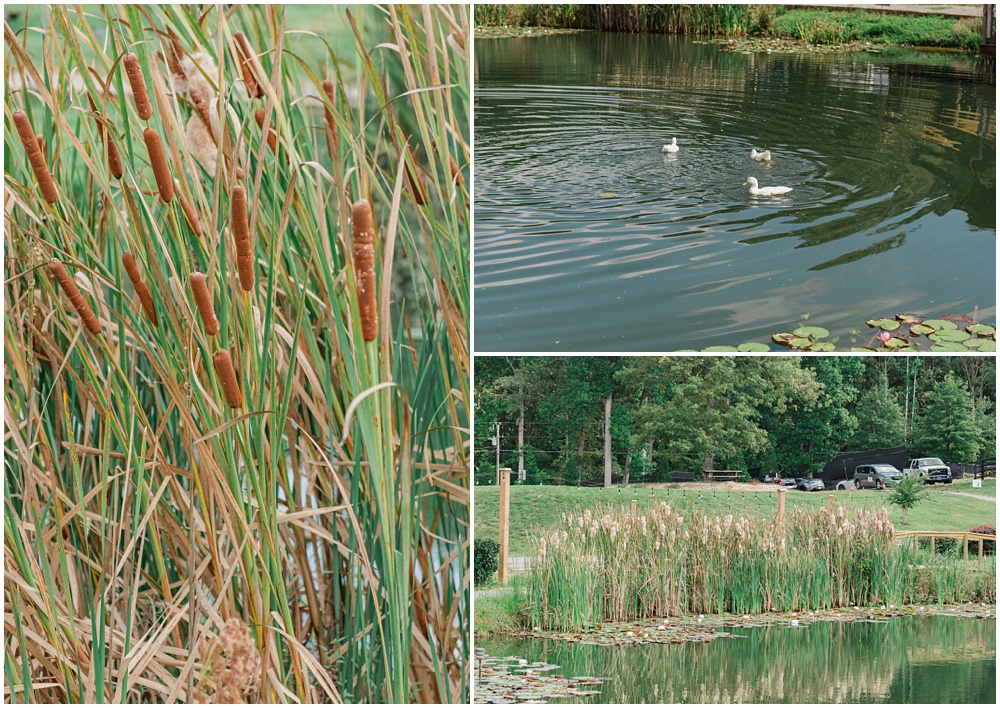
(147, 506)
(619, 565)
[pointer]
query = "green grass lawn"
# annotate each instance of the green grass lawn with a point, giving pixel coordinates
(823, 26)
(532, 507)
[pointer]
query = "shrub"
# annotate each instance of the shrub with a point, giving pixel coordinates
(989, 547)
(487, 560)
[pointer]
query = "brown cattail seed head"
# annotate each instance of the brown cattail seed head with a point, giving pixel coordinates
(331, 123)
(227, 377)
(246, 55)
(419, 195)
(158, 160)
(456, 174)
(272, 137)
(145, 297)
(76, 299)
(202, 298)
(138, 84)
(364, 268)
(35, 157)
(190, 215)
(241, 234)
(111, 152)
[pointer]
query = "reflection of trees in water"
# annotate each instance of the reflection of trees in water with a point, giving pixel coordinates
(824, 662)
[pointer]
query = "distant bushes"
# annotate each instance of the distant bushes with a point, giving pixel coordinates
(486, 561)
(989, 547)
(725, 20)
(832, 27)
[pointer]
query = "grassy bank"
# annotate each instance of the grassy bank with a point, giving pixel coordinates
(785, 29)
(536, 507)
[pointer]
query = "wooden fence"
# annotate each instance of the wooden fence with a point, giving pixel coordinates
(963, 536)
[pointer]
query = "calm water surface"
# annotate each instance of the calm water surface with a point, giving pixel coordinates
(907, 660)
(588, 238)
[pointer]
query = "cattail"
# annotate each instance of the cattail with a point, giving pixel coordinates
(419, 195)
(111, 151)
(41, 145)
(227, 377)
(158, 160)
(202, 298)
(145, 297)
(272, 136)
(456, 174)
(35, 157)
(175, 56)
(138, 84)
(332, 141)
(246, 55)
(364, 268)
(241, 233)
(190, 215)
(201, 106)
(76, 299)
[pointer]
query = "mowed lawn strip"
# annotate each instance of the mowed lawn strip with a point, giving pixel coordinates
(536, 507)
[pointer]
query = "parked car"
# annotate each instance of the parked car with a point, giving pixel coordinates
(810, 485)
(875, 476)
(787, 482)
(932, 469)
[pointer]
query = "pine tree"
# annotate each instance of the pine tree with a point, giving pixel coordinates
(880, 419)
(946, 427)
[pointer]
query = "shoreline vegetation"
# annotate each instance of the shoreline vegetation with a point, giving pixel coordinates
(769, 28)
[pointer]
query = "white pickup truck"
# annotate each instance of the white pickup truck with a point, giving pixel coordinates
(931, 469)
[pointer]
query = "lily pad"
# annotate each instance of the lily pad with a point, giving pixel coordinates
(949, 347)
(896, 342)
(884, 323)
(800, 343)
(721, 349)
(982, 330)
(940, 324)
(783, 338)
(950, 335)
(919, 329)
(823, 347)
(983, 345)
(609, 195)
(814, 332)
(910, 319)
(753, 347)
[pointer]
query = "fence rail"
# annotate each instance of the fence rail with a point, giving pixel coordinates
(963, 536)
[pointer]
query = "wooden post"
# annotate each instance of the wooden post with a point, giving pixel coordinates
(915, 542)
(965, 546)
(781, 504)
(981, 544)
(831, 503)
(502, 571)
(933, 539)
(634, 503)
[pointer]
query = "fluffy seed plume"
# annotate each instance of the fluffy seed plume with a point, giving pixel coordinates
(241, 233)
(272, 136)
(35, 157)
(74, 295)
(202, 298)
(227, 377)
(246, 55)
(331, 124)
(190, 215)
(419, 195)
(110, 150)
(158, 160)
(145, 297)
(364, 268)
(138, 84)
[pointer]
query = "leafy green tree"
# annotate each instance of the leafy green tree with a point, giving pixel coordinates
(880, 419)
(946, 427)
(907, 493)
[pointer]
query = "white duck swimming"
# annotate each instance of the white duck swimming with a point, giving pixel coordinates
(765, 191)
(672, 147)
(760, 156)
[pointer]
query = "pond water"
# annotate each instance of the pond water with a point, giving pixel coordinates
(907, 660)
(589, 238)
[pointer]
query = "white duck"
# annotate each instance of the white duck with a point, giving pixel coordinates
(765, 191)
(672, 147)
(760, 156)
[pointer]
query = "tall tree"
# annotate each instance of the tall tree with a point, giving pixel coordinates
(946, 427)
(880, 419)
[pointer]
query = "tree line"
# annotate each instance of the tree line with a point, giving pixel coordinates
(566, 420)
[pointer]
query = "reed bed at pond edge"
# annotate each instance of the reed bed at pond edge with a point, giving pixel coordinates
(236, 458)
(616, 565)
(713, 19)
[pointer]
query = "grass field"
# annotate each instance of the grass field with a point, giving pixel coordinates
(533, 508)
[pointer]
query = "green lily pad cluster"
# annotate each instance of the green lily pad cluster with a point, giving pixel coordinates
(808, 339)
(513, 680)
(617, 634)
(949, 333)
